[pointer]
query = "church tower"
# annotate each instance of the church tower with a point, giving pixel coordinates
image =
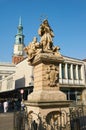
(18, 50)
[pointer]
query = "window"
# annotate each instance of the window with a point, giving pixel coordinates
(63, 71)
(69, 71)
(79, 72)
(74, 71)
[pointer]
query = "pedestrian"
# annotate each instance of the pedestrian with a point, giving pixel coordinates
(5, 105)
(22, 105)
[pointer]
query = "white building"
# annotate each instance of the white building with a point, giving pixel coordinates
(6, 69)
(72, 78)
(16, 76)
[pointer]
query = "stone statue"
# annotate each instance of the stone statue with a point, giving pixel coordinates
(45, 45)
(46, 41)
(33, 49)
(46, 34)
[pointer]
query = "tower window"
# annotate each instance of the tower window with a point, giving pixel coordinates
(19, 40)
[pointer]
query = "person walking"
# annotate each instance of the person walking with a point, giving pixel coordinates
(5, 105)
(22, 105)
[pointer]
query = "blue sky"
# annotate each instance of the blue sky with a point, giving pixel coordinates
(67, 18)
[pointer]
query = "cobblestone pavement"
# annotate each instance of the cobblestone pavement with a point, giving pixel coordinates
(6, 121)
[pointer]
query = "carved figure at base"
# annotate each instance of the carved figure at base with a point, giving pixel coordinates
(33, 49)
(52, 75)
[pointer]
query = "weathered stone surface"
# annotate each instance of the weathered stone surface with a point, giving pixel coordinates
(46, 71)
(47, 58)
(45, 96)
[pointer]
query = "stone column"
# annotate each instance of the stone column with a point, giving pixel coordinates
(60, 70)
(82, 72)
(71, 71)
(77, 77)
(66, 71)
(60, 73)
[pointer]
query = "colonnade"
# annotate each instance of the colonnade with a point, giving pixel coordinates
(71, 73)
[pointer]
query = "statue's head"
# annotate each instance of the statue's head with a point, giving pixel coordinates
(45, 21)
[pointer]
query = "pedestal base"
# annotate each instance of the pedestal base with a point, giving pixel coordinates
(49, 114)
(46, 96)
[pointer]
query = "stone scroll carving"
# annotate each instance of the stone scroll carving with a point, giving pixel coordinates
(45, 45)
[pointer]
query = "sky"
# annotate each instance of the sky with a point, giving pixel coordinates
(67, 19)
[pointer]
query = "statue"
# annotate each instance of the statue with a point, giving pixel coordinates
(46, 34)
(33, 49)
(45, 45)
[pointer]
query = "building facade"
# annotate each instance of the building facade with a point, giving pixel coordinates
(72, 78)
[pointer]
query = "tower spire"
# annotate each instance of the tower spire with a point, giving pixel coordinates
(20, 27)
(18, 53)
(20, 21)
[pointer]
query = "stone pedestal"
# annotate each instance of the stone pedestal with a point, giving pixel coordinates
(46, 79)
(46, 97)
